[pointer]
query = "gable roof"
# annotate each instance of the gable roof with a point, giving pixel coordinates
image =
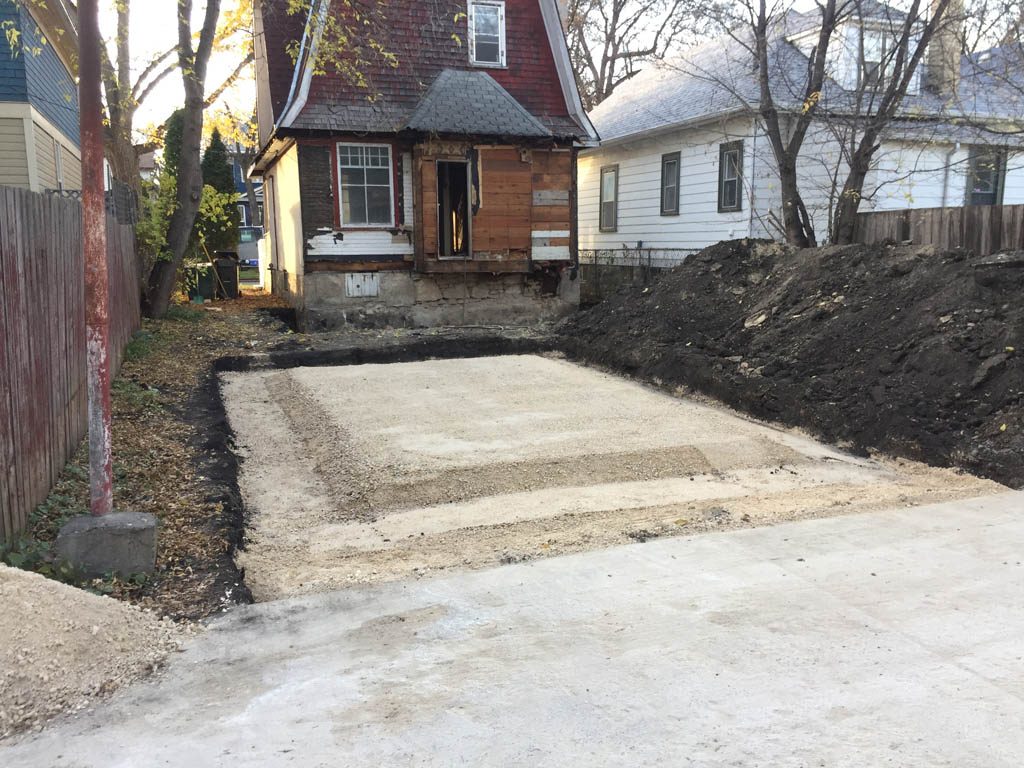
(426, 40)
(719, 79)
(468, 103)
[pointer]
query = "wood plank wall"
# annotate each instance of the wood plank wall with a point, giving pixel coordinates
(518, 197)
(983, 229)
(43, 398)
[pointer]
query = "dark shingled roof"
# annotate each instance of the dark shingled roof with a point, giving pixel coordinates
(467, 103)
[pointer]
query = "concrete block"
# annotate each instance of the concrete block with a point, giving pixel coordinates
(123, 543)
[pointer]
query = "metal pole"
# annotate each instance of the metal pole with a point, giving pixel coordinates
(97, 280)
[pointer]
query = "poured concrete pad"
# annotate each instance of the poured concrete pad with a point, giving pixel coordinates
(373, 472)
(894, 638)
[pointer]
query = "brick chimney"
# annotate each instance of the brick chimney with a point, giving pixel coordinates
(942, 70)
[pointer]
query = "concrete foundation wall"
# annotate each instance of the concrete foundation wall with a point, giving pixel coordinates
(416, 300)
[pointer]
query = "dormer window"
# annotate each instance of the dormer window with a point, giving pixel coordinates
(487, 33)
(874, 55)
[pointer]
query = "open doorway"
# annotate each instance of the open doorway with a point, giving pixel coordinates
(453, 230)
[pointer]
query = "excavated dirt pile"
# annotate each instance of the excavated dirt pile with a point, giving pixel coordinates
(62, 648)
(897, 349)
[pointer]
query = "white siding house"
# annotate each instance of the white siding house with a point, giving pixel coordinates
(705, 105)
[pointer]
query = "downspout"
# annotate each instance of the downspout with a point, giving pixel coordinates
(753, 179)
(945, 174)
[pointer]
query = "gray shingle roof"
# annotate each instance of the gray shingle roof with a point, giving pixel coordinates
(719, 77)
(472, 103)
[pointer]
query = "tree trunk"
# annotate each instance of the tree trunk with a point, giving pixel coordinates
(164, 276)
(792, 208)
(193, 63)
(844, 231)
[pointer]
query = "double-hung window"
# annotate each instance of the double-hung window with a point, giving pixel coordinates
(487, 33)
(367, 194)
(730, 177)
(670, 184)
(609, 215)
(986, 176)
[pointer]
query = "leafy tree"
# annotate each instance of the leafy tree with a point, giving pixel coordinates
(217, 171)
(218, 220)
(172, 141)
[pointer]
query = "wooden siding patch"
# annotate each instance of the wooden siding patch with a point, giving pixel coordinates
(547, 197)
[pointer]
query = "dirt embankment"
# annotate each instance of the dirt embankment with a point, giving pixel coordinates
(897, 349)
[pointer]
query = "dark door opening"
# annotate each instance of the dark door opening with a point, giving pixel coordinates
(453, 209)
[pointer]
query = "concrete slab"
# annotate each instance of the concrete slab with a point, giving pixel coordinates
(364, 473)
(895, 638)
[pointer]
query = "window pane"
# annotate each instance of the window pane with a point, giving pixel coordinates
(732, 159)
(379, 176)
(730, 194)
(488, 50)
(608, 185)
(353, 176)
(608, 215)
(486, 19)
(353, 205)
(378, 205)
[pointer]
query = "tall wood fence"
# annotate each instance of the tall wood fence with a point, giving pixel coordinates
(43, 396)
(984, 229)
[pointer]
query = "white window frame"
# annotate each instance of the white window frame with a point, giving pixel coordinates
(502, 48)
(390, 224)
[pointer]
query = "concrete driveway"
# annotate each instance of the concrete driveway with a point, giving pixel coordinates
(885, 639)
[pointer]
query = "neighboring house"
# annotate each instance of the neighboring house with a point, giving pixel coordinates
(684, 162)
(442, 190)
(39, 141)
(239, 170)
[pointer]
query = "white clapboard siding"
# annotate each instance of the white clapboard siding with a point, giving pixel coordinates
(698, 224)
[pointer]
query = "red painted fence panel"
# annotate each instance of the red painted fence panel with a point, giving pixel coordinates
(42, 340)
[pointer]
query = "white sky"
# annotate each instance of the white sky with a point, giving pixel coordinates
(154, 30)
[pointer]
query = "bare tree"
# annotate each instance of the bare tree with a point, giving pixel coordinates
(794, 58)
(192, 62)
(611, 40)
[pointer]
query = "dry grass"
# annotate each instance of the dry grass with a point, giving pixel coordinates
(158, 438)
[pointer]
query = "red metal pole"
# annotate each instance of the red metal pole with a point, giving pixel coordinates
(97, 280)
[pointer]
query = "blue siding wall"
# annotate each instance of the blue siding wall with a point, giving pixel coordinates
(12, 68)
(51, 89)
(35, 73)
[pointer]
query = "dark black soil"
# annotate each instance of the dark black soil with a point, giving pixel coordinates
(897, 349)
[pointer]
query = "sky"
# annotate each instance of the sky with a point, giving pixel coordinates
(154, 30)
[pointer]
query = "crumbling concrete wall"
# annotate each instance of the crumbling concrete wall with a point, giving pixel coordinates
(415, 300)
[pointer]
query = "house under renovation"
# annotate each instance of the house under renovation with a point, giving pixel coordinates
(438, 190)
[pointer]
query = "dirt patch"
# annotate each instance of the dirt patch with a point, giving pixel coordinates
(377, 472)
(896, 349)
(61, 648)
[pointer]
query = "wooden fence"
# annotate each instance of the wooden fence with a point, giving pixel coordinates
(43, 396)
(983, 229)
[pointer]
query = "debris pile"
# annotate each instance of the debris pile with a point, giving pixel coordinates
(899, 349)
(61, 647)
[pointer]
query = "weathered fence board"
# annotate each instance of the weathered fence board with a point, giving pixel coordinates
(983, 229)
(43, 404)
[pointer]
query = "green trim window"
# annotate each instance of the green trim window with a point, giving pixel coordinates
(609, 212)
(730, 177)
(986, 176)
(670, 184)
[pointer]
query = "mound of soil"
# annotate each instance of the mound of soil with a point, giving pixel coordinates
(897, 349)
(61, 647)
